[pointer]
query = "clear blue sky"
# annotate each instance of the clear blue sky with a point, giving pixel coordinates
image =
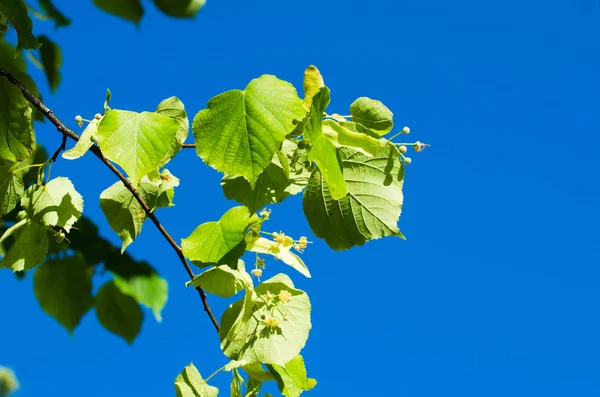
(495, 292)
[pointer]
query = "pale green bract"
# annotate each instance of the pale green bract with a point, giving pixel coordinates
(85, 142)
(138, 142)
(291, 377)
(371, 208)
(240, 131)
(56, 203)
(118, 313)
(245, 336)
(279, 251)
(210, 241)
(64, 290)
(189, 383)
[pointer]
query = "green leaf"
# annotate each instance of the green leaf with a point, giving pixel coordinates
(222, 281)
(189, 383)
(281, 252)
(180, 8)
(59, 18)
(291, 378)
(118, 313)
(257, 371)
(240, 131)
(11, 188)
(273, 185)
(371, 208)
(63, 287)
(149, 290)
(138, 142)
(16, 130)
(245, 335)
(85, 142)
(210, 241)
(124, 213)
(172, 107)
(372, 114)
(51, 60)
(253, 389)
(322, 151)
(8, 382)
(16, 11)
(130, 10)
(56, 203)
(344, 135)
(313, 82)
(28, 249)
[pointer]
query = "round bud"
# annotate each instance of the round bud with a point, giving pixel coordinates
(402, 149)
(93, 138)
(407, 160)
(406, 130)
(79, 120)
(97, 116)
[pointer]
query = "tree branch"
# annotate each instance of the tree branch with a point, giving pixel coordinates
(62, 128)
(188, 146)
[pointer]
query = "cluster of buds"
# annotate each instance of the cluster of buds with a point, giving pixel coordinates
(300, 245)
(285, 241)
(402, 147)
(284, 296)
(79, 120)
(269, 297)
(256, 273)
(270, 322)
(265, 213)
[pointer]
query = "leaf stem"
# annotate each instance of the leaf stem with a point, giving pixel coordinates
(27, 167)
(214, 373)
(62, 128)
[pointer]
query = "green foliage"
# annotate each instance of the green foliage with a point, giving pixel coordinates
(369, 210)
(29, 247)
(222, 281)
(117, 312)
(51, 60)
(51, 11)
(16, 12)
(146, 288)
(291, 378)
(130, 10)
(282, 252)
(64, 289)
(373, 114)
(8, 382)
(240, 131)
(180, 8)
(11, 188)
(189, 383)
(16, 130)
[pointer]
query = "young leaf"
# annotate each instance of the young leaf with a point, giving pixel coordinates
(291, 378)
(54, 13)
(172, 107)
(85, 142)
(313, 82)
(51, 60)
(147, 289)
(284, 254)
(11, 188)
(16, 11)
(270, 325)
(63, 287)
(210, 241)
(138, 142)
(341, 136)
(118, 313)
(222, 281)
(372, 114)
(189, 383)
(16, 130)
(28, 249)
(56, 203)
(371, 208)
(273, 185)
(240, 131)
(180, 8)
(130, 10)
(322, 151)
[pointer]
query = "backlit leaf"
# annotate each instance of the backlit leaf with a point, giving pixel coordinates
(291, 377)
(372, 114)
(16, 130)
(189, 383)
(180, 8)
(28, 249)
(130, 10)
(118, 313)
(51, 58)
(16, 11)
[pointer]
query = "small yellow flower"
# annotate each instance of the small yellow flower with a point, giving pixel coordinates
(270, 322)
(256, 273)
(265, 213)
(284, 296)
(302, 242)
(279, 237)
(269, 297)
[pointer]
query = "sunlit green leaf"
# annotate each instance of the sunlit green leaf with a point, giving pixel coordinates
(342, 136)
(371, 208)
(172, 107)
(240, 131)
(275, 338)
(130, 10)
(291, 377)
(222, 281)
(51, 60)
(210, 241)
(56, 203)
(16, 130)
(189, 383)
(16, 11)
(138, 142)
(11, 188)
(118, 313)
(8, 382)
(322, 151)
(63, 287)
(28, 249)
(180, 8)
(372, 114)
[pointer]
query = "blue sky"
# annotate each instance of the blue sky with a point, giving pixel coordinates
(495, 291)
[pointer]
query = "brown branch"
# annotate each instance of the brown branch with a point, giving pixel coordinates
(189, 146)
(96, 151)
(63, 146)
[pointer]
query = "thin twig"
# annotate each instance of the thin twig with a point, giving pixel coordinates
(189, 146)
(98, 153)
(63, 146)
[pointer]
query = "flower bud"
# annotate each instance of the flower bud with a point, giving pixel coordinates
(407, 160)
(402, 149)
(406, 130)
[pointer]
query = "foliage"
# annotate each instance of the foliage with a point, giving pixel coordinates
(268, 142)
